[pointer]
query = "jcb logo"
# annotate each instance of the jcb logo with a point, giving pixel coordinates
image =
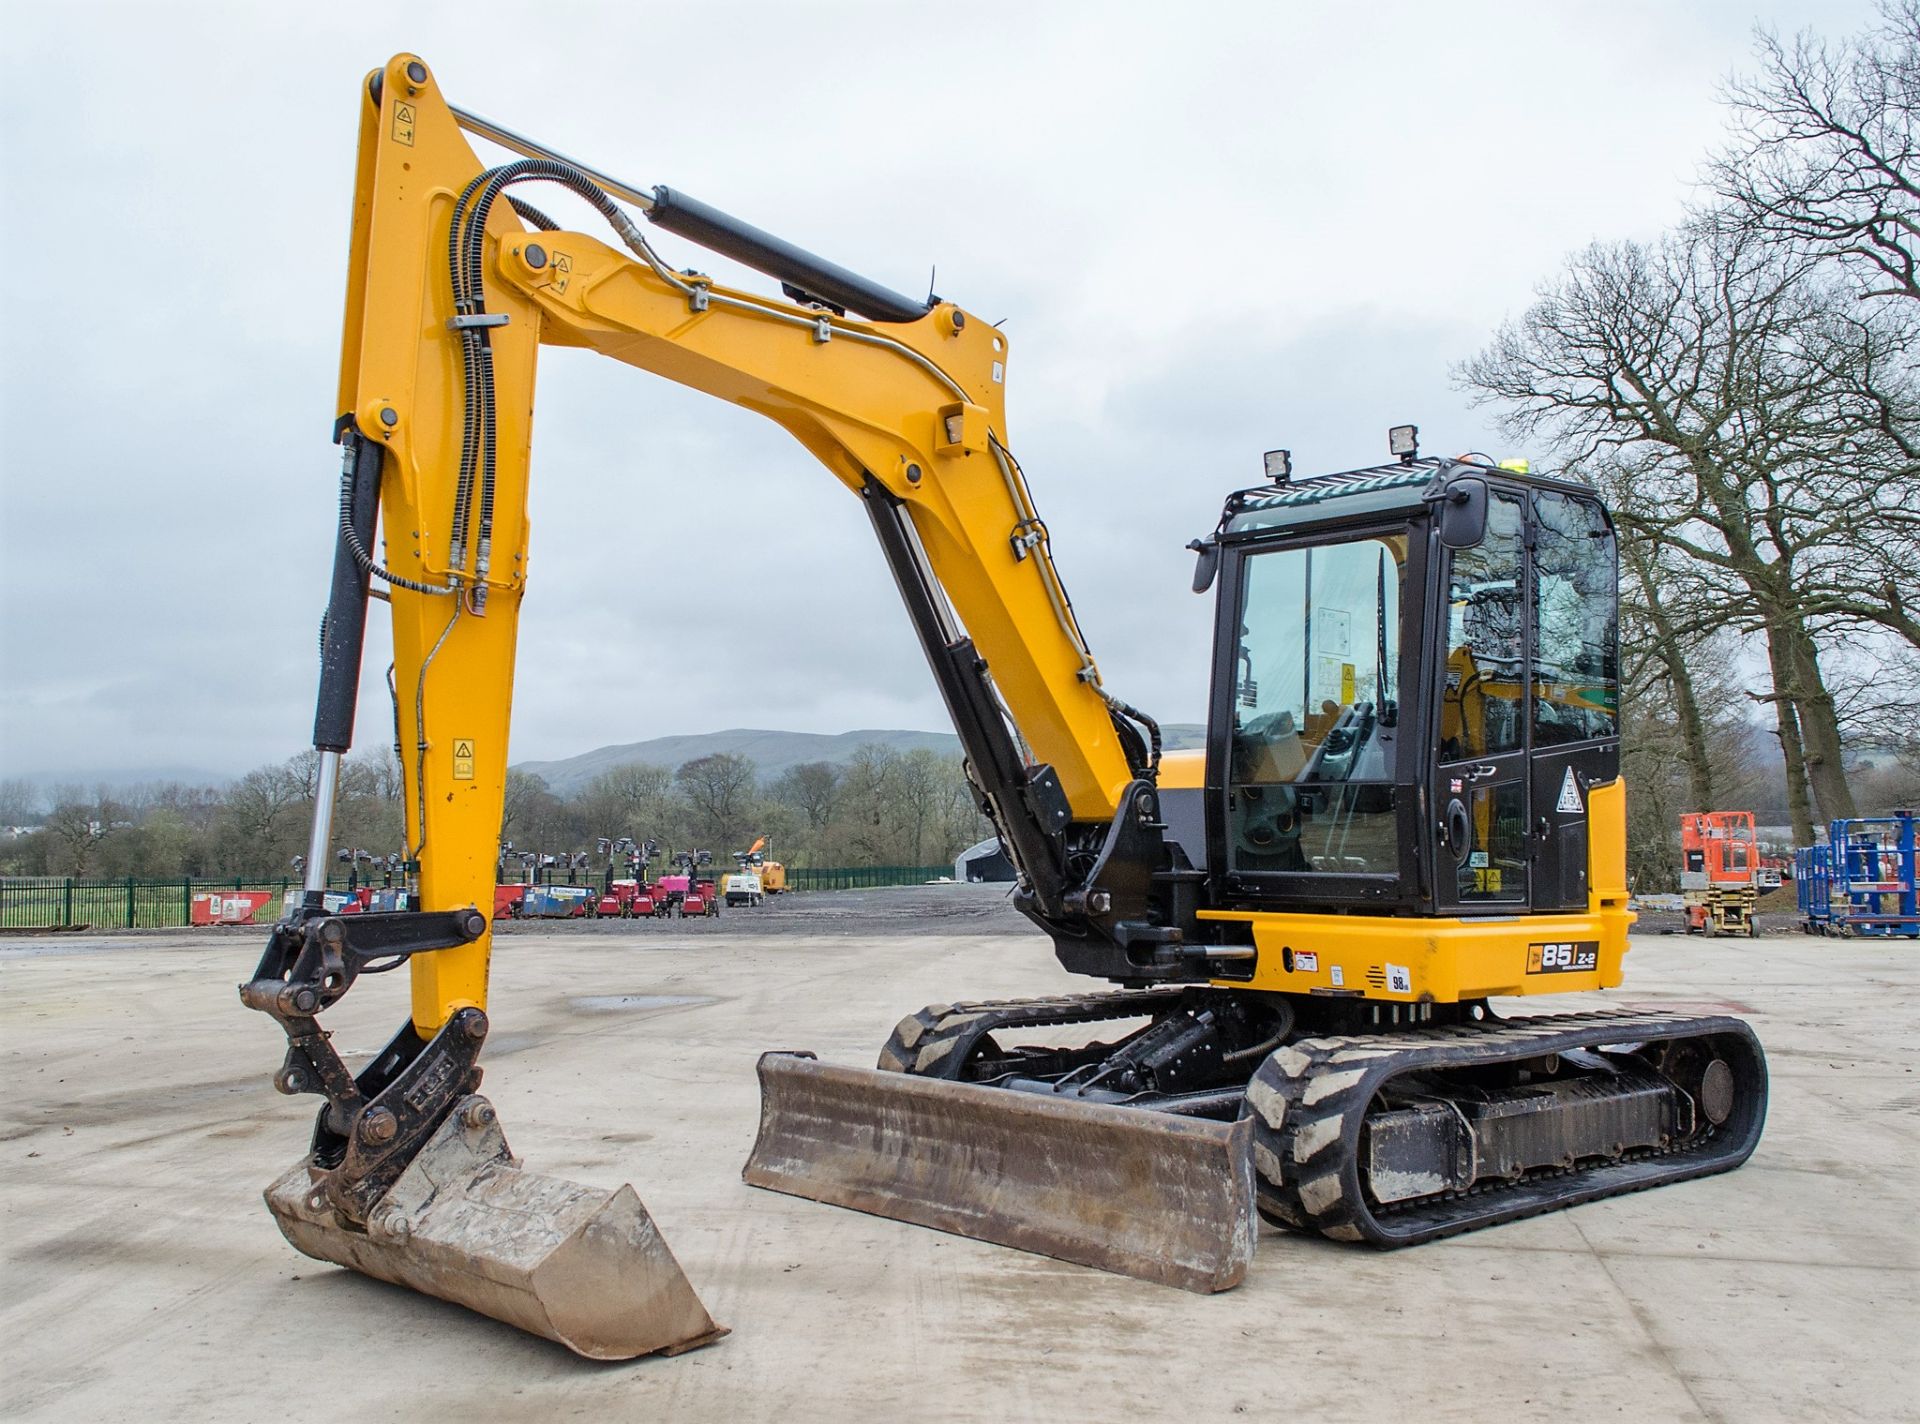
(1564, 957)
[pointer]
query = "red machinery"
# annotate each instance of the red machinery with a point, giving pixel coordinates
(628, 899)
(228, 907)
(701, 899)
(1718, 863)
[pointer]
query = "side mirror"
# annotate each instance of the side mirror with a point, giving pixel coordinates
(1206, 563)
(1462, 515)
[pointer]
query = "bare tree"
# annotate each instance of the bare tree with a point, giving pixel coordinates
(76, 829)
(526, 796)
(812, 788)
(1694, 378)
(266, 813)
(20, 802)
(921, 777)
(720, 790)
(1657, 658)
(634, 799)
(865, 823)
(1825, 150)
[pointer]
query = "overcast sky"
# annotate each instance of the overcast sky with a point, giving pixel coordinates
(1211, 229)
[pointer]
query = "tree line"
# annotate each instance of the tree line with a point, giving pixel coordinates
(880, 807)
(1743, 391)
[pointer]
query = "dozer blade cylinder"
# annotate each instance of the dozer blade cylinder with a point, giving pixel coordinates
(1144, 1194)
(464, 1222)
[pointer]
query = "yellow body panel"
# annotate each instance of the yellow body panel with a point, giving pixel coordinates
(1183, 770)
(1437, 960)
(1396, 959)
(918, 407)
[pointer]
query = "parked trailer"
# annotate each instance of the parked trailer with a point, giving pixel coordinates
(556, 902)
(229, 907)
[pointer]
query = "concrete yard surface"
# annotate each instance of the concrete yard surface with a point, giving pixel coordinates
(143, 1279)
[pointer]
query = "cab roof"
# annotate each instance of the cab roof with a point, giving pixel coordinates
(1400, 487)
(1378, 489)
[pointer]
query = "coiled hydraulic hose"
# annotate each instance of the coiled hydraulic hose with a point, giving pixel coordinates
(359, 550)
(466, 251)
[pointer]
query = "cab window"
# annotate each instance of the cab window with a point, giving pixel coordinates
(1480, 712)
(1315, 708)
(1576, 676)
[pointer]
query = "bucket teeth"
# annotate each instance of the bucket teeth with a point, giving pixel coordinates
(583, 1266)
(1144, 1194)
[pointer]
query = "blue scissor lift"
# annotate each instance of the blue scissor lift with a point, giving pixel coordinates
(1863, 880)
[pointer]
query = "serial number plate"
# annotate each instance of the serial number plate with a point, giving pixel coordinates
(1567, 956)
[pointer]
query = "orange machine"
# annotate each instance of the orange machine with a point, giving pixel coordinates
(1718, 861)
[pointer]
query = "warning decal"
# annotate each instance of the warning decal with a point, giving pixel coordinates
(463, 758)
(403, 124)
(1569, 802)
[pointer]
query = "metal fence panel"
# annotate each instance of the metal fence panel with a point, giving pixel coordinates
(51, 902)
(863, 877)
(55, 902)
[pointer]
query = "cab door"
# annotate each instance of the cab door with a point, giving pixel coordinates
(1482, 785)
(1574, 703)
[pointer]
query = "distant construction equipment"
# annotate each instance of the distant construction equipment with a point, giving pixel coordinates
(1718, 862)
(757, 861)
(1862, 881)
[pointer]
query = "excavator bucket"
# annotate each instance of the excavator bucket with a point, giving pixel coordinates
(464, 1222)
(1164, 1198)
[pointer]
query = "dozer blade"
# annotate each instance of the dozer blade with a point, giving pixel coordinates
(582, 1266)
(1146, 1194)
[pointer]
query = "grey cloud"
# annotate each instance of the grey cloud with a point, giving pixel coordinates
(1212, 232)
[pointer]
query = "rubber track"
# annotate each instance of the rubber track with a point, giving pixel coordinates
(937, 1041)
(1309, 1101)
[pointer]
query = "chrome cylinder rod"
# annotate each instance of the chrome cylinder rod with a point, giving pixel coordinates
(320, 843)
(528, 148)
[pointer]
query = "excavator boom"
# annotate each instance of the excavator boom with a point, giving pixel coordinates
(455, 281)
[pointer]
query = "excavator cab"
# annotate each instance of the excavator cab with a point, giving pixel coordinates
(1409, 705)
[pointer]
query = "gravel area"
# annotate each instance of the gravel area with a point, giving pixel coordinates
(949, 908)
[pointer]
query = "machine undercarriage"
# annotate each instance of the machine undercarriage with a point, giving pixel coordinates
(1386, 1124)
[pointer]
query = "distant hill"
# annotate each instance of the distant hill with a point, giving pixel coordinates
(771, 752)
(121, 779)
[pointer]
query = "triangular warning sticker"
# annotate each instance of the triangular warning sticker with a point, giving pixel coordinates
(1569, 801)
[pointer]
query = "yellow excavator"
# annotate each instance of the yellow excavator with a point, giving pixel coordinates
(1409, 803)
